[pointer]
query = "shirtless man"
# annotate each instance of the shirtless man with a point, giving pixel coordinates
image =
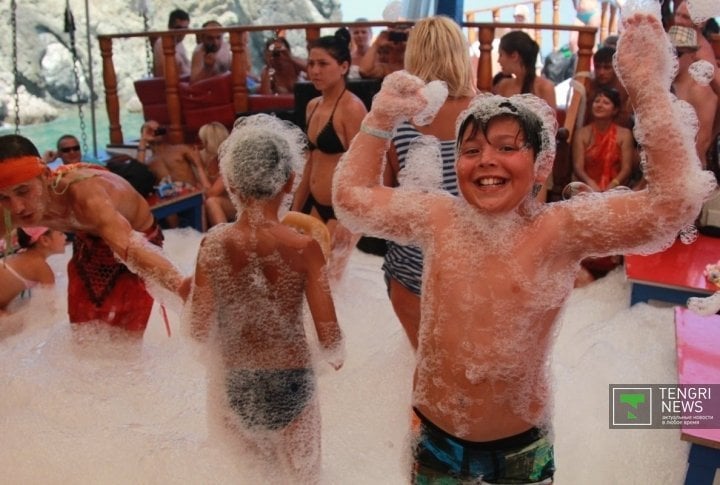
(499, 266)
(701, 97)
(110, 221)
(705, 51)
(212, 56)
(182, 163)
(361, 37)
(178, 20)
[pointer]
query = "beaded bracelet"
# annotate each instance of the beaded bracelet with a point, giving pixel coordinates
(385, 135)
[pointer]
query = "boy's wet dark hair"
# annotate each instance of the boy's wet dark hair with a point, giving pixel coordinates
(536, 118)
(531, 126)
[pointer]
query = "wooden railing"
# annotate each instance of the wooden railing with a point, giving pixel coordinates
(608, 18)
(586, 42)
(471, 16)
(485, 33)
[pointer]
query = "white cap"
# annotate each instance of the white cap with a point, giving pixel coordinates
(392, 11)
(522, 11)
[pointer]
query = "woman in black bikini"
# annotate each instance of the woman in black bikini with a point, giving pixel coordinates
(332, 120)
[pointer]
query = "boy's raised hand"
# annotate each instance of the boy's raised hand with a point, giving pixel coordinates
(399, 99)
(641, 60)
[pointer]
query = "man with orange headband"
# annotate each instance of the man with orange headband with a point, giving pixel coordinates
(107, 216)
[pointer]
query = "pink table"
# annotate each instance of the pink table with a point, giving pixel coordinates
(698, 362)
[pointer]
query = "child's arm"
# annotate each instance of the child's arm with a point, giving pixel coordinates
(321, 305)
(201, 301)
(676, 185)
(361, 201)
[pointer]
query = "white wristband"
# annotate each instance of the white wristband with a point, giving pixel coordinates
(385, 135)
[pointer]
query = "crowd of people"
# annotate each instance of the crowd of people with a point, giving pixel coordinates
(457, 196)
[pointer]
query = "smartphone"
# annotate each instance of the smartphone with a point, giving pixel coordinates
(160, 131)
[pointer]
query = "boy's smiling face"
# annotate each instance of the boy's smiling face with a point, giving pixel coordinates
(495, 169)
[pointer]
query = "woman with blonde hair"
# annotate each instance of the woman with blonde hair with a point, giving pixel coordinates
(436, 50)
(218, 207)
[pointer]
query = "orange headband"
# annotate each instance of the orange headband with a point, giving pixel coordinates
(17, 170)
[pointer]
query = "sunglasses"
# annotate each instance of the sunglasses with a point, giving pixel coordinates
(74, 148)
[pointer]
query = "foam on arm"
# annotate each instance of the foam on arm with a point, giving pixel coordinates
(648, 220)
(360, 200)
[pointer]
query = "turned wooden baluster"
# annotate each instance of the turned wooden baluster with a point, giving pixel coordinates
(586, 42)
(556, 21)
(472, 34)
(538, 18)
(112, 104)
(239, 69)
(175, 132)
(486, 35)
(311, 34)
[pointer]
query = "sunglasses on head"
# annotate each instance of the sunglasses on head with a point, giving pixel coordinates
(74, 148)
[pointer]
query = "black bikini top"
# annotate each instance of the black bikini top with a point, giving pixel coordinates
(327, 140)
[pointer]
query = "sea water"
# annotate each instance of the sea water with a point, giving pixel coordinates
(45, 135)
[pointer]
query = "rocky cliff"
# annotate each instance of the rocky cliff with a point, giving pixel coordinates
(45, 61)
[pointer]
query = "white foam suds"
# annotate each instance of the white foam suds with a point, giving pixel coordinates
(103, 412)
(702, 72)
(701, 10)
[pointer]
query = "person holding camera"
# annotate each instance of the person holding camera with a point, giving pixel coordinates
(282, 70)
(212, 56)
(386, 54)
(182, 163)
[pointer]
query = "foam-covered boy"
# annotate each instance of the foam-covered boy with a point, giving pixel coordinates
(251, 279)
(500, 266)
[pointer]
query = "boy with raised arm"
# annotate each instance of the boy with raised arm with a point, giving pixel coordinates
(247, 298)
(499, 266)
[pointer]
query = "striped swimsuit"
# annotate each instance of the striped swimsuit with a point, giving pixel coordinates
(405, 263)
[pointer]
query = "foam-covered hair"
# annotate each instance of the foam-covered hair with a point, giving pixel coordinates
(258, 157)
(537, 119)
